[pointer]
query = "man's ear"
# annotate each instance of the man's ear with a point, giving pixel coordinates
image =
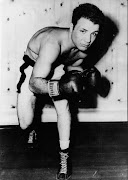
(71, 27)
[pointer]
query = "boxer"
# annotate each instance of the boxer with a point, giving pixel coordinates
(53, 67)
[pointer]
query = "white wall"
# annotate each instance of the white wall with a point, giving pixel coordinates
(19, 20)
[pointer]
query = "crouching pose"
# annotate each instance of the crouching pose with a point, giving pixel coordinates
(53, 66)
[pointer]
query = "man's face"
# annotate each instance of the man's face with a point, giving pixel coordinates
(84, 33)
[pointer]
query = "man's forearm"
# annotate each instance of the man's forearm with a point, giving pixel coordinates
(38, 85)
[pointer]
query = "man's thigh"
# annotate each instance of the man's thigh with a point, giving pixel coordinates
(26, 101)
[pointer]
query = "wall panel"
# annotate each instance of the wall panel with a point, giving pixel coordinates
(19, 20)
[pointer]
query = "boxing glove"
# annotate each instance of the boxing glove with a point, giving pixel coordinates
(92, 78)
(94, 81)
(70, 84)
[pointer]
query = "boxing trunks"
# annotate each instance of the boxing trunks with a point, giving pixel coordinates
(26, 70)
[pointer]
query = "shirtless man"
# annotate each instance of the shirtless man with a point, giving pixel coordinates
(57, 55)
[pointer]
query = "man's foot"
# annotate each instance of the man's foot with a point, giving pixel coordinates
(65, 169)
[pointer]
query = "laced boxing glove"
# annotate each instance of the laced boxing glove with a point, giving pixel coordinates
(91, 77)
(94, 81)
(70, 84)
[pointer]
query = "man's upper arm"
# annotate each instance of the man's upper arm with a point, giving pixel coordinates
(47, 55)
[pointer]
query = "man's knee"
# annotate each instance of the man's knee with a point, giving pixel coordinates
(61, 106)
(25, 120)
(24, 125)
(62, 110)
(25, 109)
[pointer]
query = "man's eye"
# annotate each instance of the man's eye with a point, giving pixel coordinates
(95, 34)
(83, 31)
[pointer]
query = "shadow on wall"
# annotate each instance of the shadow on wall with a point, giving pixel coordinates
(95, 53)
(102, 42)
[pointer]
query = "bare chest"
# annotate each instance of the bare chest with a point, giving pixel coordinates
(73, 58)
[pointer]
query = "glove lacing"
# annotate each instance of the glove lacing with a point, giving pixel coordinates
(63, 162)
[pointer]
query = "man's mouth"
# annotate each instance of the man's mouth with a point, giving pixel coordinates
(85, 45)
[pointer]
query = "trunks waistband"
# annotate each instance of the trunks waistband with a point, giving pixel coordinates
(28, 60)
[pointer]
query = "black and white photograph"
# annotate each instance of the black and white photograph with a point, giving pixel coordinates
(63, 90)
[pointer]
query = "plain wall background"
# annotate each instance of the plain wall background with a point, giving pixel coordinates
(19, 20)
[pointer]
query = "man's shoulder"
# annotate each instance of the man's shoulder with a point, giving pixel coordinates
(57, 32)
(55, 35)
(55, 28)
(48, 37)
(52, 30)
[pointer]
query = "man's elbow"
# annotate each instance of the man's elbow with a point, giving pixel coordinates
(38, 85)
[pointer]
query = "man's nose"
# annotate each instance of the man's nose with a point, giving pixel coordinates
(88, 38)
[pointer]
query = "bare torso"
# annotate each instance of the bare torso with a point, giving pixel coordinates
(72, 58)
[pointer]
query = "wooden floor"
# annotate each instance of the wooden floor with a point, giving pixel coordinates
(99, 152)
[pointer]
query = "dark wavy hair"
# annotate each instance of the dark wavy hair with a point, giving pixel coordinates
(89, 11)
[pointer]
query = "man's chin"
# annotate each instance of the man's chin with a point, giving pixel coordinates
(83, 48)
